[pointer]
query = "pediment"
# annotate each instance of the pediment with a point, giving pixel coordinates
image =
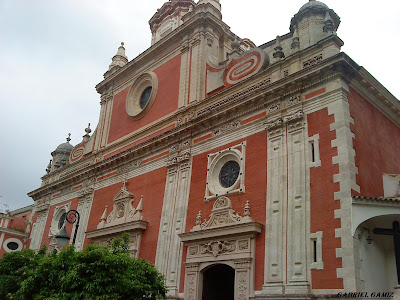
(123, 194)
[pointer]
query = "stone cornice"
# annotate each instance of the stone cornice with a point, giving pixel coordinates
(14, 232)
(253, 94)
(251, 228)
(380, 201)
(125, 227)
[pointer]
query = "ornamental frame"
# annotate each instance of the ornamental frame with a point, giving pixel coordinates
(226, 238)
(58, 211)
(215, 162)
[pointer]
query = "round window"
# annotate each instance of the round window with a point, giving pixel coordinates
(225, 173)
(12, 246)
(141, 95)
(145, 97)
(61, 221)
(229, 173)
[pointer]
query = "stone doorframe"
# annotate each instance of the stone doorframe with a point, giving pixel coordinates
(226, 238)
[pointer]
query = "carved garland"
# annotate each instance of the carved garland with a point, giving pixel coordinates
(222, 214)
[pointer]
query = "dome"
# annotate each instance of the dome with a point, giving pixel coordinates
(64, 148)
(313, 4)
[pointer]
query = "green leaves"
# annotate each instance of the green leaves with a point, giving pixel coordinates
(98, 272)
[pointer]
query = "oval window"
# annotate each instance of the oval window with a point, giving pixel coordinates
(229, 174)
(145, 97)
(61, 221)
(12, 246)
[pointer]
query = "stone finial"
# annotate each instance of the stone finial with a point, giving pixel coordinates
(278, 49)
(86, 137)
(198, 218)
(68, 138)
(120, 59)
(48, 169)
(246, 212)
(295, 40)
(103, 219)
(329, 26)
(139, 207)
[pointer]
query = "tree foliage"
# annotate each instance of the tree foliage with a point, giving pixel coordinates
(98, 272)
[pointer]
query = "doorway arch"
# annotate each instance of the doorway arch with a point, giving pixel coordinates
(374, 255)
(218, 282)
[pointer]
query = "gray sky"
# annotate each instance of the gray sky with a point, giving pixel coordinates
(53, 53)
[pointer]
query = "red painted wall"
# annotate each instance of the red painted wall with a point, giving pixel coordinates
(151, 186)
(255, 183)
(323, 204)
(377, 145)
(165, 102)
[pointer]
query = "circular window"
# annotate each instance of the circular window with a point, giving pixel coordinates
(61, 221)
(229, 174)
(225, 173)
(12, 244)
(141, 95)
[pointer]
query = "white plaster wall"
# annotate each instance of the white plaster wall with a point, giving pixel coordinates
(376, 261)
(378, 264)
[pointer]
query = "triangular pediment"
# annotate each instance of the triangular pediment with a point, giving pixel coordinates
(123, 194)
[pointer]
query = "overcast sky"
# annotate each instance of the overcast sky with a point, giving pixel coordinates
(54, 52)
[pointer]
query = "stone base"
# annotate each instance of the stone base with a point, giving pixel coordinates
(273, 288)
(397, 292)
(297, 288)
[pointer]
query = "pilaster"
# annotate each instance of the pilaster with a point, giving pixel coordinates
(297, 282)
(275, 239)
(173, 220)
(84, 207)
(38, 227)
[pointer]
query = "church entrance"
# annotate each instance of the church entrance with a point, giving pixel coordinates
(218, 283)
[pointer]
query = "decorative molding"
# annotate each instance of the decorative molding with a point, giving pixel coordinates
(130, 166)
(226, 128)
(293, 100)
(313, 61)
(235, 97)
(273, 124)
(215, 163)
(218, 247)
(85, 192)
(294, 117)
(178, 159)
(123, 211)
(222, 214)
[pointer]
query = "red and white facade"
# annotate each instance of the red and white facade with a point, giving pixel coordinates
(315, 138)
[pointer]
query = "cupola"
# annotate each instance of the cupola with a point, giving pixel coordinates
(313, 22)
(169, 17)
(60, 156)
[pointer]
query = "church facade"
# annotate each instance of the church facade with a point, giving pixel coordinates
(240, 172)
